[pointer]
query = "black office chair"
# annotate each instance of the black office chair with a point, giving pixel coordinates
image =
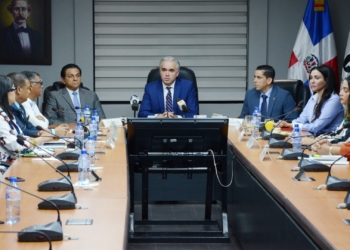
(185, 73)
(55, 87)
(298, 90)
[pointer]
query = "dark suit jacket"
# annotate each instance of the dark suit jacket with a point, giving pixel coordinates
(280, 103)
(153, 98)
(60, 100)
(10, 45)
(27, 127)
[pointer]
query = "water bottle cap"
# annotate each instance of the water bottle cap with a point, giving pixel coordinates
(256, 108)
(296, 125)
(84, 152)
(95, 111)
(86, 106)
(13, 178)
(79, 123)
(90, 138)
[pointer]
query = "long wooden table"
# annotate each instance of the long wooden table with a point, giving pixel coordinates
(108, 204)
(313, 212)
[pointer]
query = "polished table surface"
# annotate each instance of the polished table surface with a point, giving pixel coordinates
(314, 210)
(108, 204)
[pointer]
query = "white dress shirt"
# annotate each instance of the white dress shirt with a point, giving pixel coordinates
(33, 111)
(24, 39)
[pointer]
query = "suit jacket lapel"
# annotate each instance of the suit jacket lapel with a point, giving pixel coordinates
(82, 97)
(68, 99)
(160, 96)
(272, 101)
(177, 92)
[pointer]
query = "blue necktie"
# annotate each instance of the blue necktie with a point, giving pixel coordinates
(76, 104)
(169, 101)
(263, 107)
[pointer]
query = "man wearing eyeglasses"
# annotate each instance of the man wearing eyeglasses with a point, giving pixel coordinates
(18, 39)
(32, 110)
(33, 113)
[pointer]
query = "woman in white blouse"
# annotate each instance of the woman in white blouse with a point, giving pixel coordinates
(8, 127)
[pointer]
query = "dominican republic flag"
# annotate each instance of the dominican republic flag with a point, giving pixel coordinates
(346, 63)
(315, 43)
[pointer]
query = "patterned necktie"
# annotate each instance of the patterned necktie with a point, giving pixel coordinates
(263, 107)
(76, 104)
(22, 112)
(169, 101)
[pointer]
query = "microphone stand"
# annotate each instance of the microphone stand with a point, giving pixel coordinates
(266, 136)
(309, 165)
(73, 167)
(336, 184)
(288, 154)
(53, 230)
(38, 232)
(52, 185)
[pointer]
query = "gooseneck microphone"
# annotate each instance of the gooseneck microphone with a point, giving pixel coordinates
(66, 201)
(86, 129)
(182, 105)
(37, 232)
(267, 135)
(73, 155)
(53, 230)
(50, 185)
(288, 154)
(337, 184)
(309, 165)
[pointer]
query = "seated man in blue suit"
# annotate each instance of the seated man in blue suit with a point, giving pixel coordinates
(160, 97)
(273, 102)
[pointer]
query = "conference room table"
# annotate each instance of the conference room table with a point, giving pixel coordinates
(107, 204)
(313, 211)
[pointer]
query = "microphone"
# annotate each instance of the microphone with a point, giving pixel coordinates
(182, 106)
(38, 232)
(51, 185)
(267, 135)
(86, 129)
(33, 233)
(309, 165)
(72, 155)
(337, 184)
(288, 154)
(134, 101)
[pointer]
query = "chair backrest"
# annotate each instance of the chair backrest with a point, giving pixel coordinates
(297, 89)
(55, 86)
(185, 73)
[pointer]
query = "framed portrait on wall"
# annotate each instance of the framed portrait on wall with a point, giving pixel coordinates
(25, 32)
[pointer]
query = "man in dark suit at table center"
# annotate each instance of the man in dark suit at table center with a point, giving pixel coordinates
(272, 101)
(66, 105)
(18, 39)
(160, 97)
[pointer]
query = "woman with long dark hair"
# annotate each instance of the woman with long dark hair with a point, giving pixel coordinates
(8, 127)
(323, 112)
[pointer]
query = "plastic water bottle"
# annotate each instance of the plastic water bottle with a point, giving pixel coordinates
(97, 117)
(84, 168)
(13, 202)
(256, 124)
(87, 115)
(296, 137)
(90, 148)
(93, 128)
(258, 114)
(79, 135)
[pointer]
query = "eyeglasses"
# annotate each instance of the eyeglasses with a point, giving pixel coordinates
(40, 82)
(11, 89)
